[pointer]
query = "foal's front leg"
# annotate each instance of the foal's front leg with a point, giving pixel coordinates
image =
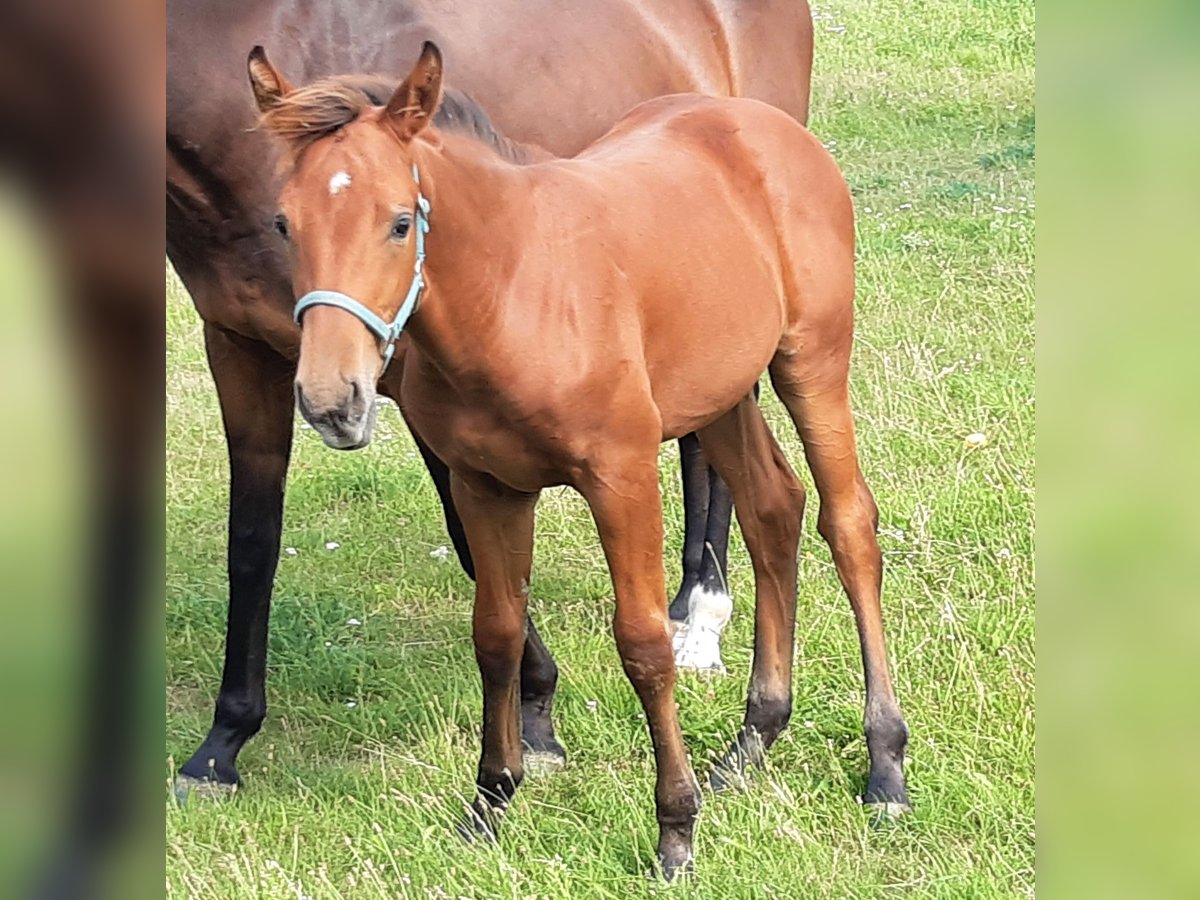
(627, 506)
(539, 674)
(499, 527)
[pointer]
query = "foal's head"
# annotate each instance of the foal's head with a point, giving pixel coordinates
(352, 215)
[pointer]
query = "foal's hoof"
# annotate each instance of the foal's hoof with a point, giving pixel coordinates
(732, 769)
(722, 779)
(188, 786)
(479, 827)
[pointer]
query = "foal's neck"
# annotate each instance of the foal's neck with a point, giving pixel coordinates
(478, 203)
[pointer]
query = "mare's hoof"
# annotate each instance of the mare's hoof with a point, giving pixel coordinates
(543, 763)
(697, 641)
(188, 786)
(886, 796)
(673, 870)
(542, 755)
(887, 810)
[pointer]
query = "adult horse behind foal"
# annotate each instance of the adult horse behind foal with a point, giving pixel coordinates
(548, 73)
(555, 313)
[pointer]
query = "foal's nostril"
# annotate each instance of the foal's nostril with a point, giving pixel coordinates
(355, 391)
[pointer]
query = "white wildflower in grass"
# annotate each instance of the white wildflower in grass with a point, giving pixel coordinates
(332, 545)
(975, 439)
(290, 551)
(350, 704)
(592, 705)
(440, 552)
(353, 621)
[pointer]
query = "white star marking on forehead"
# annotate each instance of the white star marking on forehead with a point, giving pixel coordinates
(338, 181)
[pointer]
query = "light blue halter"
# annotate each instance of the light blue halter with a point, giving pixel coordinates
(374, 322)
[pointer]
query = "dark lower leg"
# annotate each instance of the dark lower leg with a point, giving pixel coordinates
(255, 523)
(255, 391)
(440, 474)
(539, 679)
(695, 521)
(713, 567)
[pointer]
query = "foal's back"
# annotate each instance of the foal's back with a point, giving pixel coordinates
(727, 223)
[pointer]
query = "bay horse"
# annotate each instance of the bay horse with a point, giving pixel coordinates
(550, 75)
(557, 315)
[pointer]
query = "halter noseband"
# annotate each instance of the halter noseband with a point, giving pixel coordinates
(374, 322)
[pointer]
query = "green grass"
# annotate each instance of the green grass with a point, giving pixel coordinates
(372, 736)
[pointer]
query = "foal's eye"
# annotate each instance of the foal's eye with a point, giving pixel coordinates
(281, 225)
(401, 226)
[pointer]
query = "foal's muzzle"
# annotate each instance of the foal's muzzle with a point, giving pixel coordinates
(344, 422)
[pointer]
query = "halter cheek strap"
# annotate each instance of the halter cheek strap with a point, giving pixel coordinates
(388, 332)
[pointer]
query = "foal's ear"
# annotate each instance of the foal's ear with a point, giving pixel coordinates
(267, 82)
(414, 103)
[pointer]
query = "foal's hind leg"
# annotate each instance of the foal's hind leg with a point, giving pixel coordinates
(819, 405)
(499, 525)
(770, 506)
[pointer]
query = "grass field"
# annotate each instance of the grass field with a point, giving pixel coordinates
(372, 735)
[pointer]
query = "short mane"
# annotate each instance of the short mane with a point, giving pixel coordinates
(327, 106)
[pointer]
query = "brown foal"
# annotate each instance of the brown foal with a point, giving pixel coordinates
(560, 337)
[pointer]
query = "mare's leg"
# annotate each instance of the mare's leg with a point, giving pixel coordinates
(254, 386)
(702, 606)
(539, 680)
(770, 506)
(819, 404)
(625, 501)
(440, 474)
(694, 469)
(499, 524)
(539, 674)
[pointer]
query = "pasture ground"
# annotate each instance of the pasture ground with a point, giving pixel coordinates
(372, 735)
